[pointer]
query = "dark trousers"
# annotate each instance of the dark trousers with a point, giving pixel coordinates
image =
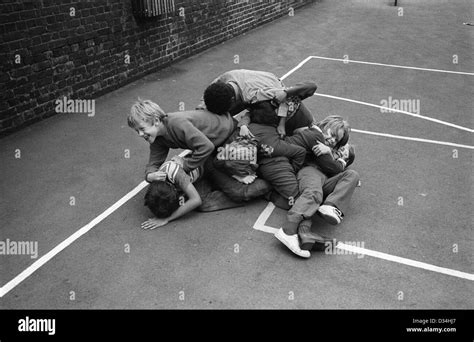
(213, 199)
(281, 175)
(302, 118)
(232, 188)
(268, 135)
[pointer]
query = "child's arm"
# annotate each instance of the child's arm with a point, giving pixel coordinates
(281, 127)
(325, 161)
(302, 90)
(158, 154)
(194, 201)
(270, 145)
(196, 141)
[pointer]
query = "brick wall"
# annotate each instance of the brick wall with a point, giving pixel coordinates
(79, 49)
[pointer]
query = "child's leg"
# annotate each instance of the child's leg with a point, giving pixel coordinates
(338, 190)
(267, 135)
(213, 200)
(310, 182)
(302, 118)
(280, 174)
(235, 190)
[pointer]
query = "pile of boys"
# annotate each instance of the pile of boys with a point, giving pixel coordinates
(301, 164)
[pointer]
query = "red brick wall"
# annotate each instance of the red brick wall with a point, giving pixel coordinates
(47, 53)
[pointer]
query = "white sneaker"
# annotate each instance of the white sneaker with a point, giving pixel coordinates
(330, 214)
(291, 241)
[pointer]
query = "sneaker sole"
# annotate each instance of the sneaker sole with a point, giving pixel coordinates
(284, 242)
(329, 219)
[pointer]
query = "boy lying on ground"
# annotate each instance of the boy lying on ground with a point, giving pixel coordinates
(176, 193)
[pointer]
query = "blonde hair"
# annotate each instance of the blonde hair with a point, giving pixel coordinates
(335, 123)
(145, 111)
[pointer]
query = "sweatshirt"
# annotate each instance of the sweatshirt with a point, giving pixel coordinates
(197, 130)
(309, 137)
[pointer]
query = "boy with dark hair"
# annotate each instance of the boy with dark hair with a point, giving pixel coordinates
(165, 196)
(162, 199)
(177, 193)
(234, 90)
(218, 97)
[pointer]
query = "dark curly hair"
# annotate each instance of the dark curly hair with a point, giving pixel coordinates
(218, 97)
(162, 199)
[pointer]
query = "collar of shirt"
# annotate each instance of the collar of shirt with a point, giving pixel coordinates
(238, 92)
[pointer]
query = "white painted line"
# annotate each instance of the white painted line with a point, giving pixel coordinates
(48, 256)
(295, 68)
(406, 261)
(393, 65)
(412, 139)
(266, 229)
(397, 111)
(260, 225)
(264, 215)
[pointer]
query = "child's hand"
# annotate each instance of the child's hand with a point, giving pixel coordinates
(280, 95)
(245, 132)
(246, 180)
(321, 149)
(281, 131)
(156, 176)
(154, 222)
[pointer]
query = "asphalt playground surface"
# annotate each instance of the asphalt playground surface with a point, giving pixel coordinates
(415, 199)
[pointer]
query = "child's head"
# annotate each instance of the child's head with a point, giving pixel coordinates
(335, 130)
(162, 198)
(219, 97)
(347, 153)
(146, 119)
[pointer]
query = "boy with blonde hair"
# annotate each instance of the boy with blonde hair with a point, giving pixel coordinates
(199, 131)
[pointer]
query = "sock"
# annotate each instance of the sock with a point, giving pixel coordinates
(290, 228)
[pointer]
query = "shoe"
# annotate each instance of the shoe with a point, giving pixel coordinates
(330, 214)
(308, 239)
(291, 241)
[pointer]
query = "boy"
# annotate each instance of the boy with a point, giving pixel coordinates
(311, 180)
(297, 148)
(234, 90)
(175, 193)
(199, 131)
(303, 141)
